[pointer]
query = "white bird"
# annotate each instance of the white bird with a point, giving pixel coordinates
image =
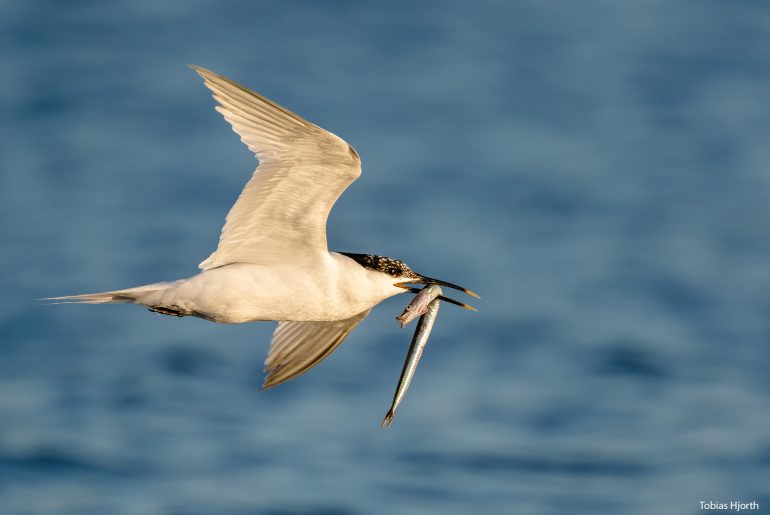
(272, 261)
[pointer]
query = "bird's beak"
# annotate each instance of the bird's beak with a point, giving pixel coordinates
(428, 280)
(421, 279)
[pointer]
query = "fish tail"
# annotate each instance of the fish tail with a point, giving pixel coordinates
(388, 420)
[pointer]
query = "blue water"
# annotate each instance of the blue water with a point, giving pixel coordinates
(597, 171)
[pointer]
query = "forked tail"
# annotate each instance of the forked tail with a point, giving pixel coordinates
(130, 295)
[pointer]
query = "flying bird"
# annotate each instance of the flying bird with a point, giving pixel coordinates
(272, 261)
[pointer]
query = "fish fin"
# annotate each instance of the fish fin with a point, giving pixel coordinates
(388, 420)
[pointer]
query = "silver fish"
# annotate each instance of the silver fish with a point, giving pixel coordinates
(419, 304)
(420, 338)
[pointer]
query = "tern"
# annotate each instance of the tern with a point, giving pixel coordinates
(272, 261)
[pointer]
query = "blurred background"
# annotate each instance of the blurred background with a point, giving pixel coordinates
(597, 171)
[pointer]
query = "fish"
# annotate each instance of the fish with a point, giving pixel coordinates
(420, 338)
(419, 304)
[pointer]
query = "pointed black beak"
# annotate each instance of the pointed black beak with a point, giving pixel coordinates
(428, 280)
(421, 279)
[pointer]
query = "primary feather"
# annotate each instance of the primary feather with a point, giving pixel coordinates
(303, 170)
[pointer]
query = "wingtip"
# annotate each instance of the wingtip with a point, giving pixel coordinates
(267, 384)
(272, 380)
(202, 72)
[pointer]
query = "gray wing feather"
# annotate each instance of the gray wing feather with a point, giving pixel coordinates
(299, 346)
(303, 169)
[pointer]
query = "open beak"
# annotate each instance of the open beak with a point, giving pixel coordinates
(427, 280)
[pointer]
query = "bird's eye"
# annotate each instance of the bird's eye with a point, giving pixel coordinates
(393, 271)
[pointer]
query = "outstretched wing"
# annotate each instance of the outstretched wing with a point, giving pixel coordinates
(302, 171)
(299, 346)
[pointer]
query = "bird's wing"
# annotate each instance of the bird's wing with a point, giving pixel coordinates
(299, 346)
(302, 171)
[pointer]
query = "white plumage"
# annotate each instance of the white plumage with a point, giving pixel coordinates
(272, 261)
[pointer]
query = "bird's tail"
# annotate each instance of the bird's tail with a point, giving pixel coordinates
(129, 295)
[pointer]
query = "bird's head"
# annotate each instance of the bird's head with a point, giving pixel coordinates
(403, 276)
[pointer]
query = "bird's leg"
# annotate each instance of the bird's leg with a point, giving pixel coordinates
(166, 311)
